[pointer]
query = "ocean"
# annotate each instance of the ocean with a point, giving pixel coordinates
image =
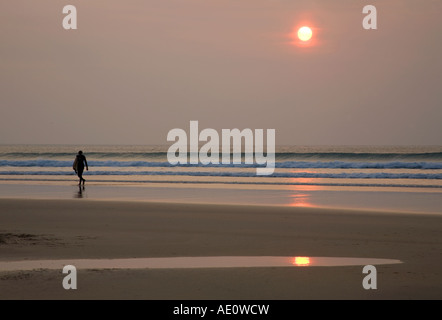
(318, 166)
(398, 178)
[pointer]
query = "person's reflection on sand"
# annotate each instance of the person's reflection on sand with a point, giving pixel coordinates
(79, 193)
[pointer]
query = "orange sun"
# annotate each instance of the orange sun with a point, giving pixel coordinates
(305, 33)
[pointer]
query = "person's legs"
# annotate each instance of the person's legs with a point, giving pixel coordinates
(80, 175)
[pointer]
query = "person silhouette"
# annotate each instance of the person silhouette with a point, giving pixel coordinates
(78, 166)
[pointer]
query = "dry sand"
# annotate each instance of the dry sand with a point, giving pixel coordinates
(82, 229)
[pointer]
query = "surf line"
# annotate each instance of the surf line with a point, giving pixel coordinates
(186, 148)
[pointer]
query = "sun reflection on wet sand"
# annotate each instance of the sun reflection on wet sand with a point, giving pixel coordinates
(302, 184)
(301, 261)
(300, 200)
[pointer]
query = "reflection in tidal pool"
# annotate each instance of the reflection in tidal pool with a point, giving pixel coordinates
(193, 262)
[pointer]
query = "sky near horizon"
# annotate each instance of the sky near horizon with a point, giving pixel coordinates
(135, 69)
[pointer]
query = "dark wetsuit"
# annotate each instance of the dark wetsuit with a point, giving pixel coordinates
(79, 168)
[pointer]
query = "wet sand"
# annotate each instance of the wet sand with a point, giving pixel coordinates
(91, 229)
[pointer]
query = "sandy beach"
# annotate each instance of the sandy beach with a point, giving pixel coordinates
(37, 229)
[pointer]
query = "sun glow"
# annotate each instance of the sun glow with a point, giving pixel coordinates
(305, 33)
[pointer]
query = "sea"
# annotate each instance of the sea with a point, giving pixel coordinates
(298, 169)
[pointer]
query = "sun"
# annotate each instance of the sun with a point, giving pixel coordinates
(305, 33)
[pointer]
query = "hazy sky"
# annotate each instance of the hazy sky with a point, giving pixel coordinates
(135, 69)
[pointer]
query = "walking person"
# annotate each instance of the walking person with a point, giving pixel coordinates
(78, 166)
